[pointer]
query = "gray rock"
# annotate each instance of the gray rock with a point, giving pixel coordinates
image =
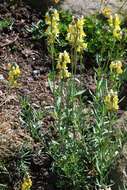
(119, 173)
(1, 77)
(78, 7)
(85, 7)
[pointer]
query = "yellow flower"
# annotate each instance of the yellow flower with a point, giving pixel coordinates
(115, 25)
(62, 62)
(52, 20)
(26, 184)
(80, 23)
(110, 21)
(47, 19)
(117, 21)
(106, 12)
(117, 33)
(52, 17)
(56, 1)
(111, 101)
(55, 15)
(82, 45)
(63, 59)
(116, 67)
(76, 34)
(63, 74)
(14, 73)
(117, 30)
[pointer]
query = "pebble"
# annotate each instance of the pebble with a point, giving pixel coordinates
(2, 77)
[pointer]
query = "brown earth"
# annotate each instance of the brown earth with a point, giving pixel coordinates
(17, 46)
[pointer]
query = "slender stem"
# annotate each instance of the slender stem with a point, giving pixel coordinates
(81, 66)
(75, 61)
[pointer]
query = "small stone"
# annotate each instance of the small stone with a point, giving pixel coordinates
(2, 77)
(1, 93)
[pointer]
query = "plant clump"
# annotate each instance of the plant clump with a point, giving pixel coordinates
(72, 142)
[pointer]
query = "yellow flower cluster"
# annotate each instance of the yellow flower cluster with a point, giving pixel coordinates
(106, 11)
(63, 60)
(116, 67)
(76, 34)
(56, 1)
(27, 183)
(111, 101)
(52, 20)
(115, 24)
(14, 73)
(110, 21)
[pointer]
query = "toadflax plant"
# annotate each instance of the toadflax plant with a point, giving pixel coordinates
(107, 140)
(13, 74)
(75, 38)
(87, 142)
(27, 183)
(62, 67)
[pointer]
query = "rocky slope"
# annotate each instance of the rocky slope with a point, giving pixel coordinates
(86, 7)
